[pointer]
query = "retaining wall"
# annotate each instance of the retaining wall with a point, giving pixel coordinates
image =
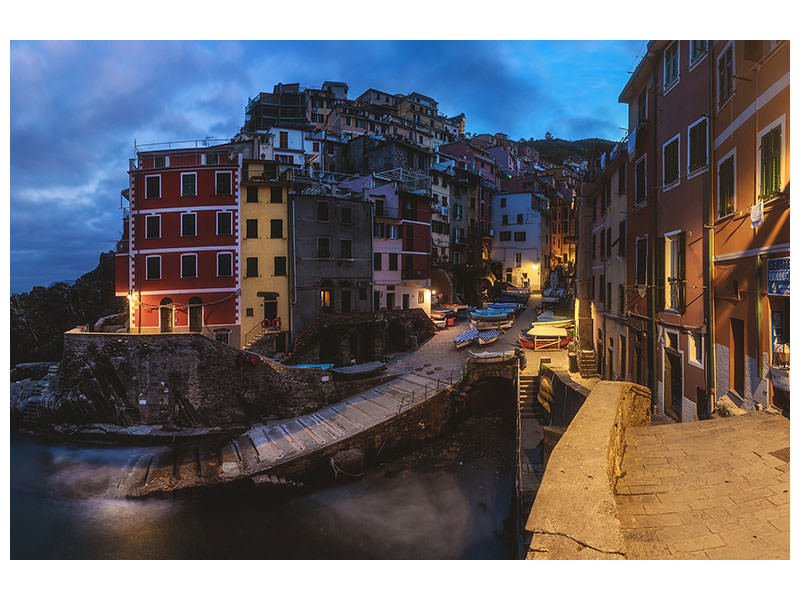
(574, 515)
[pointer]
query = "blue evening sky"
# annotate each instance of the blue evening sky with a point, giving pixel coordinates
(76, 108)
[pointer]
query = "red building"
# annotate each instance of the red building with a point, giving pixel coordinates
(180, 270)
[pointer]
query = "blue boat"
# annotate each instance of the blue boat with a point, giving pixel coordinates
(491, 314)
(466, 338)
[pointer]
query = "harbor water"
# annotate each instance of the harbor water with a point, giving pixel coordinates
(452, 498)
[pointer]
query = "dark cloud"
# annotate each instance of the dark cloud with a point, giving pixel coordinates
(76, 108)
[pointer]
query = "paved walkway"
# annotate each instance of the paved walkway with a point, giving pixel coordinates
(707, 489)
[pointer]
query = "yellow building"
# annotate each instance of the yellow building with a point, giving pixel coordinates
(265, 256)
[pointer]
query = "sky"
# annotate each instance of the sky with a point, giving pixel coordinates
(77, 107)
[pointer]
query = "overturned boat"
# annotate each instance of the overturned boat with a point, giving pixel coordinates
(363, 370)
(487, 336)
(465, 339)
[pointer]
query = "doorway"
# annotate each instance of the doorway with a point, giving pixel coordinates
(406, 301)
(737, 356)
(195, 315)
(673, 383)
(166, 315)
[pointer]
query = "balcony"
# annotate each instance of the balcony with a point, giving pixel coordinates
(676, 290)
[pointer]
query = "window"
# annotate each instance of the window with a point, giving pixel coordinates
(621, 179)
(671, 68)
(225, 264)
(315, 145)
(726, 188)
(519, 220)
(594, 246)
(280, 266)
(459, 211)
(188, 265)
(608, 241)
(641, 107)
(189, 224)
(252, 193)
(621, 239)
(212, 158)
(504, 220)
(698, 50)
(284, 159)
(153, 267)
(641, 261)
(519, 236)
(725, 74)
(641, 180)
(276, 228)
(771, 164)
(248, 312)
(223, 184)
(323, 247)
(518, 259)
(621, 294)
(377, 261)
(505, 236)
(346, 248)
(322, 211)
(188, 184)
(152, 185)
(251, 228)
(251, 266)
(670, 266)
(696, 343)
(502, 202)
(602, 243)
(224, 223)
(698, 145)
(326, 299)
(284, 139)
(152, 227)
(393, 261)
(276, 195)
(159, 162)
(347, 214)
(671, 164)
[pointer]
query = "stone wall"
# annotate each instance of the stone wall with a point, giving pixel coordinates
(574, 515)
(561, 396)
(363, 337)
(179, 379)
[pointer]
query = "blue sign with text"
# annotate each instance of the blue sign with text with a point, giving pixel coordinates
(778, 276)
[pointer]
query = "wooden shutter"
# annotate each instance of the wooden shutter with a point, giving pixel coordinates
(621, 241)
(659, 273)
(682, 271)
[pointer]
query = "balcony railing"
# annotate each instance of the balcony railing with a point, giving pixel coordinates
(677, 293)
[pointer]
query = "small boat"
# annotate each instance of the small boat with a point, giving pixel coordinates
(487, 336)
(555, 322)
(484, 325)
(440, 323)
(490, 315)
(513, 306)
(461, 310)
(367, 369)
(323, 366)
(505, 324)
(545, 337)
(491, 357)
(466, 338)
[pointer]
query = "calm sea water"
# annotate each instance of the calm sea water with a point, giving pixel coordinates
(451, 499)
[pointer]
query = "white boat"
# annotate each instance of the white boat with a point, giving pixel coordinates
(505, 324)
(559, 322)
(490, 357)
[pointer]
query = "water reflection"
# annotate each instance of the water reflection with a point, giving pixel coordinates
(448, 500)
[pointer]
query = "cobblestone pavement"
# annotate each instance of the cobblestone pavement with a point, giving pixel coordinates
(715, 489)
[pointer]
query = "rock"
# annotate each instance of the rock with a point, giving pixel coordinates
(350, 462)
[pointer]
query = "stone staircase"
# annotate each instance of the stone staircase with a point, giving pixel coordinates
(587, 363)
(529, 406)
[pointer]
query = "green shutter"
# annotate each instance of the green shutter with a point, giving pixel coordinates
(659, 273)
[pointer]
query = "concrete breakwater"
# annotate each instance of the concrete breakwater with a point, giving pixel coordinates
(397, 415)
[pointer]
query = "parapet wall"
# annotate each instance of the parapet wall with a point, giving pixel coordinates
(574, 515)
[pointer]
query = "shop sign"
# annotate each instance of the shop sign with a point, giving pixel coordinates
(778, 276)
